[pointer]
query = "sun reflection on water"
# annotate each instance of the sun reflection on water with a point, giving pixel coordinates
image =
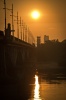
(36, 90)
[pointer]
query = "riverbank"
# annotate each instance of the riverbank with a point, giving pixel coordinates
(50, 67)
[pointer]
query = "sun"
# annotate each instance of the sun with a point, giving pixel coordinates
(35, 14)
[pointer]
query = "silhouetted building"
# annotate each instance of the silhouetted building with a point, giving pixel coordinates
(46, 38)
(38, 41)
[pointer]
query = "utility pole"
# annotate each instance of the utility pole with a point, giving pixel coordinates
(20, 29)
(17, 27)
(12, 21)
(5, 14)
(23, 31)
(26, 33)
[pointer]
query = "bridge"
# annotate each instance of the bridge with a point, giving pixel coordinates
(17, 58)
(15, 52)
(16, 64)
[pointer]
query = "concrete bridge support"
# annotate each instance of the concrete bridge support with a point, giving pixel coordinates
(13, 56)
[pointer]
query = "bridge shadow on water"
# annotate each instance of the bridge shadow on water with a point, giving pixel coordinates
(15, 85)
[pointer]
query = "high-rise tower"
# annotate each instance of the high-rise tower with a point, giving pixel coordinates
(46, 38)
(38, 41)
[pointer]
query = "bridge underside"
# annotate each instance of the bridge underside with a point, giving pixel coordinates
(15, 56)
(16, 69)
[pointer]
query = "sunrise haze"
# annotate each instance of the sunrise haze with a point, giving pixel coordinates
(52, 20)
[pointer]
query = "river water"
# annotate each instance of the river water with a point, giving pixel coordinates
(48, 87)
(45, 84)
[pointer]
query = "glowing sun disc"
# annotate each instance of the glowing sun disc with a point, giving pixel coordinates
(35, 14)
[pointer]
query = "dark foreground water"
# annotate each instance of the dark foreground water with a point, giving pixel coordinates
(43, 84)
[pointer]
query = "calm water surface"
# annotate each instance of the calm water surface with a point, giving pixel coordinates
(45, 88)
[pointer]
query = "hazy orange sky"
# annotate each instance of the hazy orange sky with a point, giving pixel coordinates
(52, 21)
